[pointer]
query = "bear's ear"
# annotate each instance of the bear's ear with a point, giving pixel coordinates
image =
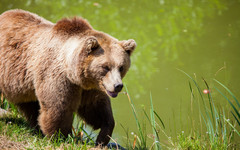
(91, 44)
(72, 26)
(129, 46)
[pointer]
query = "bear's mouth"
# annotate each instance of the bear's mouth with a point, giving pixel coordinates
(112, 94)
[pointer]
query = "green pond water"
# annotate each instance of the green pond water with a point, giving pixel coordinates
(200, 37)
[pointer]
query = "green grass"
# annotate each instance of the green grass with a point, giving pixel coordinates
(219, 130)
(217, 127)
(236, 108)
(215, 130)
(16, 129)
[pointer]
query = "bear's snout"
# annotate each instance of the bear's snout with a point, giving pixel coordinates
(118, 87)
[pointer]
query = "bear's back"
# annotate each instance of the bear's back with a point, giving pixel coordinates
(20, 17)
(19, 30)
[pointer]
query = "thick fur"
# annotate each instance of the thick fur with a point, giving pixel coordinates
(49, 71)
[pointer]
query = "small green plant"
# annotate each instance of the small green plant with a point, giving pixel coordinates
(79, 133)
(8, 106)
(219, 131)
(189, 142)
(141, 137)
(154, 124)
(3, 103)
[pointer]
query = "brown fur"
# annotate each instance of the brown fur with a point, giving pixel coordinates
(72, 26)
(51, 70)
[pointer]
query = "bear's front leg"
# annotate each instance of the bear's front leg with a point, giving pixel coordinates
(95, 109)
(55, 118)
(57, 104)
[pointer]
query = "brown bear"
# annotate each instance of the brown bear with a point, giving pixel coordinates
(49, 71)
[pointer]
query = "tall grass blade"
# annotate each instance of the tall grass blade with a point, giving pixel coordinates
(159, 119)
(232, 126)
(208, 121)
(235, 109)
(143, 141)
(236, 118)
(190, 86)
(224, 128)
(89, 137)
(153, 123)
(153, 126)
(199, 89)
(228, 92)
(145, 113)
(209, 98)
(128, 142)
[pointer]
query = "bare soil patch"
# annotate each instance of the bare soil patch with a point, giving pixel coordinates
(3, 112)
(6, 144)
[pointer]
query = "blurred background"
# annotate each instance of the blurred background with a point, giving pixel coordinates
(202, 38)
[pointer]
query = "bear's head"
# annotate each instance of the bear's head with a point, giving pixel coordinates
(93, 59)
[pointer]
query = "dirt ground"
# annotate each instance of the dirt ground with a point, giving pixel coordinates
(3, 112)
(6, 144)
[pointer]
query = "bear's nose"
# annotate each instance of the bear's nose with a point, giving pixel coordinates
(118, 87)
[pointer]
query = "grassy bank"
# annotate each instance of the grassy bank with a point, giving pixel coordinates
(15, 129)
(214, 128)
(15, 133)
(219, 127)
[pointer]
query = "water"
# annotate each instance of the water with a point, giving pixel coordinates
(201, 38)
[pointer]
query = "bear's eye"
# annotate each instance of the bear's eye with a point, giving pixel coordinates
(121, 69)
(106, 68)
